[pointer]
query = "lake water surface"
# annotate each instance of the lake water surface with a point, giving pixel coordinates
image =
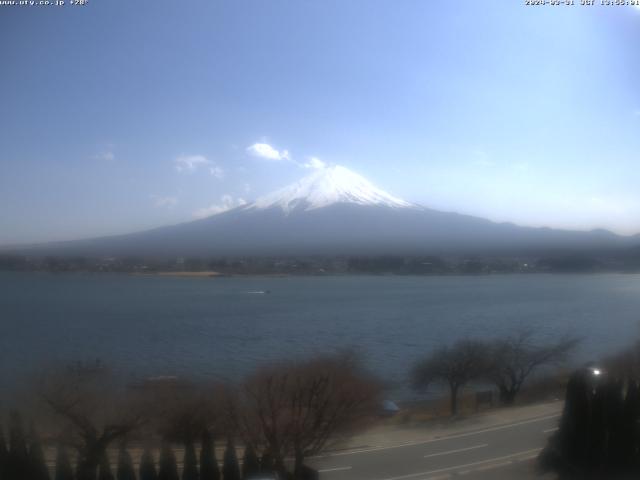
(215, 327)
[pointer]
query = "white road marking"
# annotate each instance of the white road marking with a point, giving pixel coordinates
(529, 457)
(493, 429)
(457, 450)
(484, 468)
(492, 466)
(439, 439)
(549, 430)
(466, 465)
(336, 469)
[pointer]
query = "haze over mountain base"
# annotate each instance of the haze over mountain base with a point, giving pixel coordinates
(334, 211)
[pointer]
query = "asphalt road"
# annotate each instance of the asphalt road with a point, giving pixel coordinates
(504, 451)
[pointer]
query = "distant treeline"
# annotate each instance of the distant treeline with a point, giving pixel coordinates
(629, 261)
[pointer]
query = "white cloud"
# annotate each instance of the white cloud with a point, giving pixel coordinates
(191, 163)
(266, 151)
(227, 202)
(167, 202)
(107, 156)
(315, 163)
(216, 171)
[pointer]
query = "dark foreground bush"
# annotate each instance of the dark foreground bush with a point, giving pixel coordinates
(148, 466)
(599, 434)
(251, 463)
(63, 470)
(230, 467)
(208, 463)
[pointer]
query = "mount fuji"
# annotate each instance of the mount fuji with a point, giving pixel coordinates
(334, 211)
(325, 187)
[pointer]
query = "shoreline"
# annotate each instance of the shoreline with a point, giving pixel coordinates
(205, 274)
(214, 274)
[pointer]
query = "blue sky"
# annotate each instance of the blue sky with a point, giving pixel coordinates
(119, 115)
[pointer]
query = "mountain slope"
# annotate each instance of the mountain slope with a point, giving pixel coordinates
(337, 212)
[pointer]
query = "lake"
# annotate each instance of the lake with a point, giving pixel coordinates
(219, 328)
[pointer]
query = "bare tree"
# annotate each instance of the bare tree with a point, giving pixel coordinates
(181, 410)
(514, 358)
(92, 411)
(454, 366)
(298, 409)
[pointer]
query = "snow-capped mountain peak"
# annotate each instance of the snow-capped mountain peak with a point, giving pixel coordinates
(326, 186)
